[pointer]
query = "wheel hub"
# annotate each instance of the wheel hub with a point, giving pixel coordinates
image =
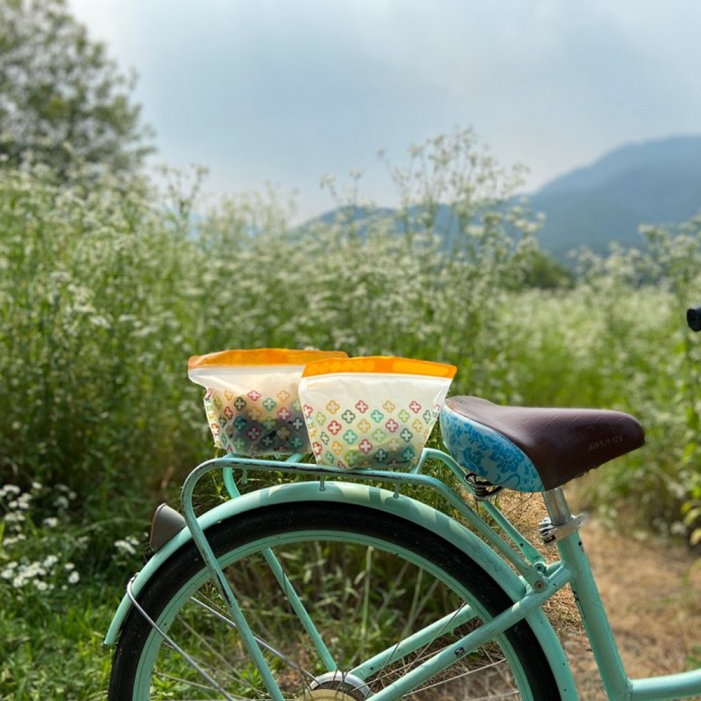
(327, 694)
(336, 686)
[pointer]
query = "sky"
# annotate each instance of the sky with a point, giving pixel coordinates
(288, 91)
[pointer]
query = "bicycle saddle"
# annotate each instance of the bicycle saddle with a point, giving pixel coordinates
(532, 450)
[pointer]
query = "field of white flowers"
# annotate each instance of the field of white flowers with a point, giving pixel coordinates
(107, 288)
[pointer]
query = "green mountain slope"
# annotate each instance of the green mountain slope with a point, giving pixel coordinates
(656, 182)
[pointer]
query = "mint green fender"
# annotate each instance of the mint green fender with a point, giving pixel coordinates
(382, 500)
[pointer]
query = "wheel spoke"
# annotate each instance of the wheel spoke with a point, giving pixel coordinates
(365, 579)
(267, 646)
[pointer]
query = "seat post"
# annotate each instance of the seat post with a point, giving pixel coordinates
(557, 506)
(586, 594)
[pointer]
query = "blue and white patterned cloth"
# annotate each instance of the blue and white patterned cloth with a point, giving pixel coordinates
(487, 453)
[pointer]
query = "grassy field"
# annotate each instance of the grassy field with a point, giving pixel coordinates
(106, 289)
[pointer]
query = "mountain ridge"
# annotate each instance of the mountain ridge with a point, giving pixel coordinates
(657, 181)
(650, 182)
(673, 150)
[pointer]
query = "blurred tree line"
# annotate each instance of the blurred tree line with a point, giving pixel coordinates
(62, 99)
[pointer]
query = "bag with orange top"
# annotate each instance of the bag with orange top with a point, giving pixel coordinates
(374, 411)
(252, 400)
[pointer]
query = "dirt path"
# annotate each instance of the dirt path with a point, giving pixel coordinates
(651, 591)
(652, 594)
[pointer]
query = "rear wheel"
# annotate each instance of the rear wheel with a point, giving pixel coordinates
(368, 580)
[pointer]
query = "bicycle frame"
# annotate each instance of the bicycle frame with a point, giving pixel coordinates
(537, 581)
(613, 675)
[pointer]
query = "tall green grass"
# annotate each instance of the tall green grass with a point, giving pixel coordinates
(106, 290)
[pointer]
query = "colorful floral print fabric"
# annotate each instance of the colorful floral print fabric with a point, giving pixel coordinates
(252, 398)
(371, 422)
(267, 422)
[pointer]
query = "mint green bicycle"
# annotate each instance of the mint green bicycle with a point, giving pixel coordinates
(346, 585)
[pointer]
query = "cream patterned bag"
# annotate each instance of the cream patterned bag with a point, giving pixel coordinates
(372, 412)
(252, 400)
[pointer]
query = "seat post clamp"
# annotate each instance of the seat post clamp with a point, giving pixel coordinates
(551, 533)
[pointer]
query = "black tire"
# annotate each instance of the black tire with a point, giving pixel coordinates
(342, 559)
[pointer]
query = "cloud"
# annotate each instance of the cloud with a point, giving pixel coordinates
(289, 89)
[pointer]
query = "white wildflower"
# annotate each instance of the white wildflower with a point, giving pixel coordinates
(73, 578)
(50, 522)
(61, 502)
(9, 489)
(50, 561)
(32, 570)
(125, 546)
(9, 571)
(15, 517)
(7, 542)
(99, 320)
(327, 181)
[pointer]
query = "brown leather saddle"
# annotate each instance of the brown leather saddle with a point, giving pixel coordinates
(561, 443)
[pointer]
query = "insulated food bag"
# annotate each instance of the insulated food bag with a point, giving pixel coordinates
(252, 400)
(374, 411)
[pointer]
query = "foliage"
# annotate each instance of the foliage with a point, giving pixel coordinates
(62, 100)
(92, 288)
(547, 274)
(57, 654)
(106, 290)
(26, 566)
(56, 603)
(674, 263)
(619, 340)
